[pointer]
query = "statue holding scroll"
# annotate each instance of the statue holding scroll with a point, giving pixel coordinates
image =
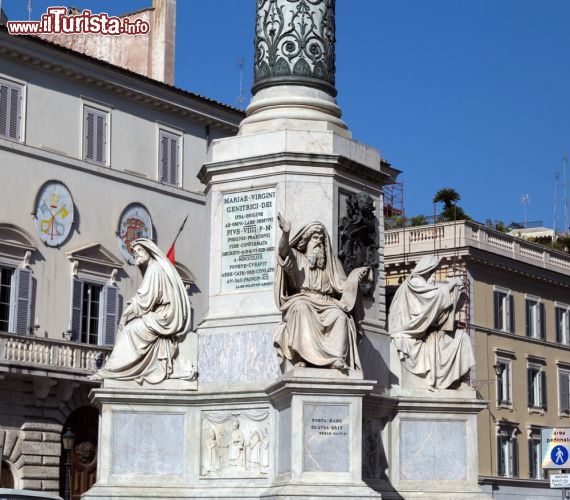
(422, 324)
(152, 323)
(321, 305)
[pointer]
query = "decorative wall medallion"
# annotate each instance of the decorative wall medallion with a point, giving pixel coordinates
(235, 443)
(135, 222)
(53, 213)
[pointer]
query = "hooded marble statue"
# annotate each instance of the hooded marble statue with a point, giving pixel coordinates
(321, 307)
(422, 327)
(146, 349)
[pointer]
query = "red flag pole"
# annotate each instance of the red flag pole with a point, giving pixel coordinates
(170, 254)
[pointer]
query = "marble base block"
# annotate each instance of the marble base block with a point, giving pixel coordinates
(319, 434)
(181, 444)
(434, 447)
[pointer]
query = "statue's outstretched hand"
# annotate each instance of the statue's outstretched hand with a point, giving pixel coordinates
(284, 224)
(363, 273)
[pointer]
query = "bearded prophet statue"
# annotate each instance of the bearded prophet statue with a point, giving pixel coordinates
(321, 306)
(152, 324)
(423, 329)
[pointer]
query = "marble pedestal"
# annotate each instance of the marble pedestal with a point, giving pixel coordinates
(154, 443)
(434, 445)
(319, 435)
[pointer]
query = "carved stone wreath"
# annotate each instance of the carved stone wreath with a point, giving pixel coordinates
(295, 43)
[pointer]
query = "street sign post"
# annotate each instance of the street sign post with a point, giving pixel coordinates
(560, 480)
(555, 448)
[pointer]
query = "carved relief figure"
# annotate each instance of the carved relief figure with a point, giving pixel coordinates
(264, 452)
(321, 306)
(212, 452)
(236, 453)
(151, 324)
(254, 450)
(423, 328)
(235, 443)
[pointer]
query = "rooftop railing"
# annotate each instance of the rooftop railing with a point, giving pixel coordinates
(454, 237)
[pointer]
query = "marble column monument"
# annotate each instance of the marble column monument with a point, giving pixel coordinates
(252, 426)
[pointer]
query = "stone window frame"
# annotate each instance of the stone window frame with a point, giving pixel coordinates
(536, 365)
(535, 327)
(174, 133)
(507, 322)
(102, 109)
(505, 358)
(16, 250)
(563, 370)
(507, 440)
(99, 269)
(535, 470)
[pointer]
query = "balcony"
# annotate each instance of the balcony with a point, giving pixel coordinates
(31, 355)
(448, 239)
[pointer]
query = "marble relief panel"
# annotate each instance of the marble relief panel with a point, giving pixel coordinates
(235, 443)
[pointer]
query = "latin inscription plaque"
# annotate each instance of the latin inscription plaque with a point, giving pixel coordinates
(326, 436)
(248, 240)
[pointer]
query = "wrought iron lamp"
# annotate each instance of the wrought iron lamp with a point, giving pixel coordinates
(68, 439)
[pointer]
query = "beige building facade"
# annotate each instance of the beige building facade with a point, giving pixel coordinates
(519, 322)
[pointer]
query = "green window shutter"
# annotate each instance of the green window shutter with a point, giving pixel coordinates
(76, 309)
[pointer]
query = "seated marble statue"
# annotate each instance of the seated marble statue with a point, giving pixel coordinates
(422, 325)
(321, 306)
(152, 323)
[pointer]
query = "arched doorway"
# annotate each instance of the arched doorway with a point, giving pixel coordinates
(6, 476)
(84, 423)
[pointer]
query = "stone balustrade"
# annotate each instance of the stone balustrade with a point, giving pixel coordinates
(49, 354)
(452, 238)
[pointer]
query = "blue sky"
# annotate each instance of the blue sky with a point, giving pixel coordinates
(468, 94)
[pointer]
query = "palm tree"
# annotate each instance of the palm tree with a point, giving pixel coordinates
(448, 196)
(451, 211)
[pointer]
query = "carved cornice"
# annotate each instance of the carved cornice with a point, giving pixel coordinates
(295, 44)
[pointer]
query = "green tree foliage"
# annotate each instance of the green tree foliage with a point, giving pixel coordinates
(451, 211)
(418, 220)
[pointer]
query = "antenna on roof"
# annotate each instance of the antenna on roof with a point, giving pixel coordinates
(565, 193)
(29, 10)
(241, 97)
(525, 200)
(555, 202)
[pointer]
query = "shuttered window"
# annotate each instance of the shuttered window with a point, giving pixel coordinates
(536, 385)
(564, 391)
(504, 309)
(504, 383)
(94, 313)
(5, 294)
(169, 158)
(535, 319)
(10, 110)
(95, 123)
(535, 458)
(562, 324)
(15, 300)
(507, 455)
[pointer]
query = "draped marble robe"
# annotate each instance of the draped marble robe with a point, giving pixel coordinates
(146, 347)
(322, 308)
(422, 326)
